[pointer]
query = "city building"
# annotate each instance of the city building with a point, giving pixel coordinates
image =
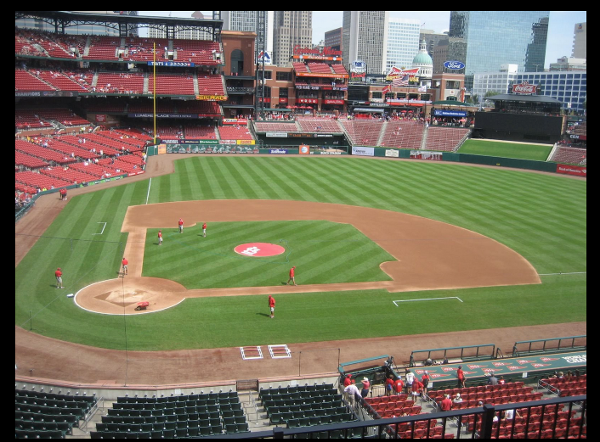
(570, 88)
(364, 38)
(424, 63)
(487, 44)
(402, 42)
(245, 21)
(579, 41)
(333, 39)
(290, 29)
(568, 64)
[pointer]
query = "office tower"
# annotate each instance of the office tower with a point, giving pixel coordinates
(246, 21)
(402, 42)
(484, 40)
(579, 41)
(364, 38)
(290, 29)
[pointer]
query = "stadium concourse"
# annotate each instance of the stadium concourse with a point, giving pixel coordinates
(95, 367)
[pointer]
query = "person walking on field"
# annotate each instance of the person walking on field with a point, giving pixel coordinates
(124, 263)
(180, 225)
(292, 277)
(204, 230)
(159, 237)
(58, 276)
(272, 306)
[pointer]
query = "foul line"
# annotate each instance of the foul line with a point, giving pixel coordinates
(425, 299)
(562, 273)
(148, 194)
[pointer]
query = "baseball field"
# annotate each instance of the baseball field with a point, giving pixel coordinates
(382, 249)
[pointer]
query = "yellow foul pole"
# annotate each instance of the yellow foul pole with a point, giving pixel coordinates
(154, 89)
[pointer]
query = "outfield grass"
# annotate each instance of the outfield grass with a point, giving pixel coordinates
(541, 216)
(520, 151)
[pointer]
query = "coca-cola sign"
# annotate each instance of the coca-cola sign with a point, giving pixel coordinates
(453, 64)
(524, 88)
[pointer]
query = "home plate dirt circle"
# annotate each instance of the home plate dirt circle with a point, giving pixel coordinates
(259, 249)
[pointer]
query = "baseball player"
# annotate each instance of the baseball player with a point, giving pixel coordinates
(180, 225)
(159, 237)
(58, 276)
(124, 263)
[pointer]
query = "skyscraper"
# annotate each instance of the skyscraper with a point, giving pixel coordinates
(364, 38)
(402, 42)
(290, 29)
(579, 41)
(494, 38)
(246, 21)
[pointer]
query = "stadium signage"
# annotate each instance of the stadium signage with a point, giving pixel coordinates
(363, 151)
(278, 151)
(453, 64)
(211, 97)
(276, 134)
(299, 50)
(524, 89)
(448, 113)
(171, 63)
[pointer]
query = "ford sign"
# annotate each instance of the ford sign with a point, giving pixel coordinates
(454, 65)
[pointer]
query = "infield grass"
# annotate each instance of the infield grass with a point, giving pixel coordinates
(541, 216)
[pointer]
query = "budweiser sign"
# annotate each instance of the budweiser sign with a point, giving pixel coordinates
(524, 88)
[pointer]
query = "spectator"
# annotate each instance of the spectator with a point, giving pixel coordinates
(352, 393)
(501, 381)
(398, 386)
(365, 387)
(446, 404)
(457, 399)
(347, 380)
(425, 381)
(389, 385)
(410, 377)
(492, 380)
(510, 414)
(460, 375)
(417, 389)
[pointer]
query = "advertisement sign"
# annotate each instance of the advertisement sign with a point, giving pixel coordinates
(363, 151)
(454, 65)
(524, 89)
(571, 170)
(304, 149)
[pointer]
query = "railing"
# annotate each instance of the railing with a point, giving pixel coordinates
(537, 346)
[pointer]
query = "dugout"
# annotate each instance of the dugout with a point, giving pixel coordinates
(376, 369)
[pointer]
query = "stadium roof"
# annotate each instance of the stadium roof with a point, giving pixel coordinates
(526, 98)
(451, 103)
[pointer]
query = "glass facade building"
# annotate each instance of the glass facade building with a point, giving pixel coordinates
(493, 38)
(402, 43)
(570, 88)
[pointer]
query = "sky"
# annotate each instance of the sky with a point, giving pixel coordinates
(560, 30)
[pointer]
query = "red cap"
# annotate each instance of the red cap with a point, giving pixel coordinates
(58, 268)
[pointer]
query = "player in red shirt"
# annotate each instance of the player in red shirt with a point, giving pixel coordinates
(180, 225)
(389, 385)
(398, 386)
(124, 263)
(204, 230)
(446, 404)
(292, 272)
(272, 306)
(159, 237)
(58, 276)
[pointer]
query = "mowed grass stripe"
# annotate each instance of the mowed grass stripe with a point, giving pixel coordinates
(525, 210)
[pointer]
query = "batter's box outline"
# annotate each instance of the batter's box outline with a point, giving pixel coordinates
(279, 351)
(252, 352)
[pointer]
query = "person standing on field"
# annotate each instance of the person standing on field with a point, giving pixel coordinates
(58, 276)
(272, 306)
(292, 278)
(180, 225)
(204, 230)
(124, 263)
(159, 237)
